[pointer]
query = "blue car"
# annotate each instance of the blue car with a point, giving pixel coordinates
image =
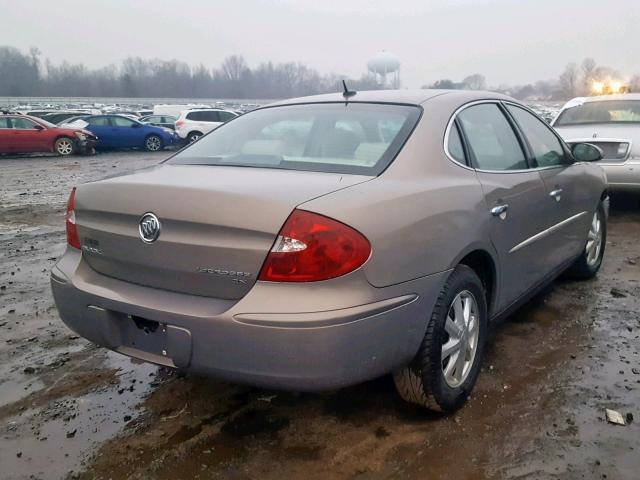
(118, 131)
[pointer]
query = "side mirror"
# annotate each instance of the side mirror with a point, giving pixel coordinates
(136, 125)
(38, 127)
(587, 152)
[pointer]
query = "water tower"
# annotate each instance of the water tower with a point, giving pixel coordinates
(386, 68)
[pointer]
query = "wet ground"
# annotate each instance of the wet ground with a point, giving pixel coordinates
(69, 409)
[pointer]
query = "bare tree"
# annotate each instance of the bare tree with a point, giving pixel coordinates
(570, 80)
(475, 82)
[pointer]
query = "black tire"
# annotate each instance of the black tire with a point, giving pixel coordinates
(423, 381)
(583, 268)
(193, 136)
(153, 143)
(64, 146)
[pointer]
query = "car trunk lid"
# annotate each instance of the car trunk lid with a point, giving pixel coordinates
(217, 224)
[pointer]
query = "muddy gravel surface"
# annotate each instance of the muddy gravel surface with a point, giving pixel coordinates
(69, 409)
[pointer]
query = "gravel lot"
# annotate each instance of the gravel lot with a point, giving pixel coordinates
(70, 409)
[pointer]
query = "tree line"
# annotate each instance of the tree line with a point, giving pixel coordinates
(576, 80)
(28, 74)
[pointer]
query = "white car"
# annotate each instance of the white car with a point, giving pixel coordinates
(192, 124)
(611, 122)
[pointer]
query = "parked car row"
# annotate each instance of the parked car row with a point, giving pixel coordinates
(80, 133)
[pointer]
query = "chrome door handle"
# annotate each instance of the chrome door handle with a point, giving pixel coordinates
(557, 194)
(500, 211)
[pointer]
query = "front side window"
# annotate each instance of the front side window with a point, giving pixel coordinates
(356, 138)
(122, 122)
(603, 111)
(23, 124)
(546, 147)
(492, 142)
(5, 123)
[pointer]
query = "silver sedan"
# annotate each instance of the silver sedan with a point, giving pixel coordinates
(323, 241)
(612, 122)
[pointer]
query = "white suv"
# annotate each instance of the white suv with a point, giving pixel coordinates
(192, 124)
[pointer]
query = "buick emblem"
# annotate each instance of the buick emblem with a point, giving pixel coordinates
(149, 228)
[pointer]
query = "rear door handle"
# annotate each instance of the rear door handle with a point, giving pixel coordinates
(557, 194)
(500, 211)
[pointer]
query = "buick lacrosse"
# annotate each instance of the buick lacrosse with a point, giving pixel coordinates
(323, 241)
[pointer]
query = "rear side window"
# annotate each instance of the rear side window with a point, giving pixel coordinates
(4, 123)
(455, 145)
(546, 147)
(98, 121)
(204, 116)
(357, 138)
(492, 141)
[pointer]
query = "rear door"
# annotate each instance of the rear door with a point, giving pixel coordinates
(210, 120)
(515, 197)
(568, 199)
(100, 126)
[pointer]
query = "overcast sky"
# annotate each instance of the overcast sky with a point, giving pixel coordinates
(511, 42)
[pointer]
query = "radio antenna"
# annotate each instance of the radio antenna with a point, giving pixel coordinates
(347, 94)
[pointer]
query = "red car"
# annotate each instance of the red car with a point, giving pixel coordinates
(25, 134)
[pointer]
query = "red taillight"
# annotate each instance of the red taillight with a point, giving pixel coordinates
(179, 123)
(312, 247)
(70, 219)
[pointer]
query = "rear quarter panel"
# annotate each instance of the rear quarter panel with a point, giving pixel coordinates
(422, 215)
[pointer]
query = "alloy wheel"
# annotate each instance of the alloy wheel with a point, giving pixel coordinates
(594, 240)
(461, 339)
(153, 144)
(64, 147)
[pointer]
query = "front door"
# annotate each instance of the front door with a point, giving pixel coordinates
(569, 201)
(27, 137)
(515, 197)
(127, 133)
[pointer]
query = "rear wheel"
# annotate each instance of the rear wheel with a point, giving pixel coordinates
(445, 369)
(588, 263)
(153, 143)
(64, 146)
(193, 136)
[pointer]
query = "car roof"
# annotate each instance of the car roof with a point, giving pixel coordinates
(410, 97)
(604, 98)
(206, 110)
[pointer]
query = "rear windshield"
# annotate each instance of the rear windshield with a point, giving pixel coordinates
(354, 138)
(606, 111)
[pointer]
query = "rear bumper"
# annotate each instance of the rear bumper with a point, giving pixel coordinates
(358, 334)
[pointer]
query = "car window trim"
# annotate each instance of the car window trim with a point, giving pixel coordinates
(533, 160)
(451, 122)
(466, 151)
